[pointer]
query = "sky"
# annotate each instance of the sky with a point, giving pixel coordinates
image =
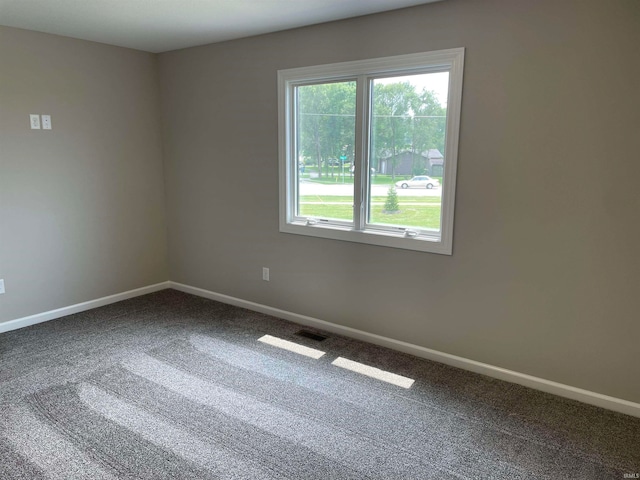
(436, 82)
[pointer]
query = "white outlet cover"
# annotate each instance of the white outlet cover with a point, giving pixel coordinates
(34, 119)
(46, 122)
(1, 286)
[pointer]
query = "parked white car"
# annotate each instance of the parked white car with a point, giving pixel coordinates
(421, 181)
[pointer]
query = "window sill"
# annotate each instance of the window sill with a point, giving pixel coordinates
(383, 238)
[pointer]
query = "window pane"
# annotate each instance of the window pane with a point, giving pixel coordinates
(408, 122)
(325, 139)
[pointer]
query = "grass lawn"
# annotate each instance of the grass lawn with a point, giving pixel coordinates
(415, 211)
(426, 214)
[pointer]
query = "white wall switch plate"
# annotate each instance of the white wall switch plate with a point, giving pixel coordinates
(46, 122)
(1, 286)
(35, 121)
(265, 274)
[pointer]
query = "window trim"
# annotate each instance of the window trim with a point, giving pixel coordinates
(451, 60)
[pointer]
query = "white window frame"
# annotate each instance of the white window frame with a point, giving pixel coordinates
(362, 72)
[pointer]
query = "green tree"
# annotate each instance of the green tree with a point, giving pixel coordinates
(428, 125)
(326, 122)
(391, 124)
(402, 120)
(429, 122)
(391, 205)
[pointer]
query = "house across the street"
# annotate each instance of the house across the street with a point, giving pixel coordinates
(430, 162)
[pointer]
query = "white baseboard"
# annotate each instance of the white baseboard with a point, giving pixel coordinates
(79, 307)
(567, 391)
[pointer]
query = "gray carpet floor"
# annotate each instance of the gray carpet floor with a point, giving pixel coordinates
(170, 385)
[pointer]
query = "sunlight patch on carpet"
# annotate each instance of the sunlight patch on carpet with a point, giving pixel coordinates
(291, 346)
(373, 372)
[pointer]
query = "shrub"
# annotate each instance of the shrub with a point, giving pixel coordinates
(391, 204)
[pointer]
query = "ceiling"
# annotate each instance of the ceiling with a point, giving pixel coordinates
(163, 25)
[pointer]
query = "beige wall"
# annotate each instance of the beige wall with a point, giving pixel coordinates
(82, 205)
(544, 275)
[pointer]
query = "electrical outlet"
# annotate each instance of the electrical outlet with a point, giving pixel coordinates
(34, 119)
(1, 285)
(265, 274)
(46, 122)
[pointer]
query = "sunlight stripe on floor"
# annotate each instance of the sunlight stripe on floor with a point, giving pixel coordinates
(373, 372)
(220, 461)
(291, 346)
(353, 453)
(48, 448)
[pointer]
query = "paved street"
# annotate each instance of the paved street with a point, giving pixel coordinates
(340, 189)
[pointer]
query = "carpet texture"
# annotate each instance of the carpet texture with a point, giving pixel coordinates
(170, 385)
